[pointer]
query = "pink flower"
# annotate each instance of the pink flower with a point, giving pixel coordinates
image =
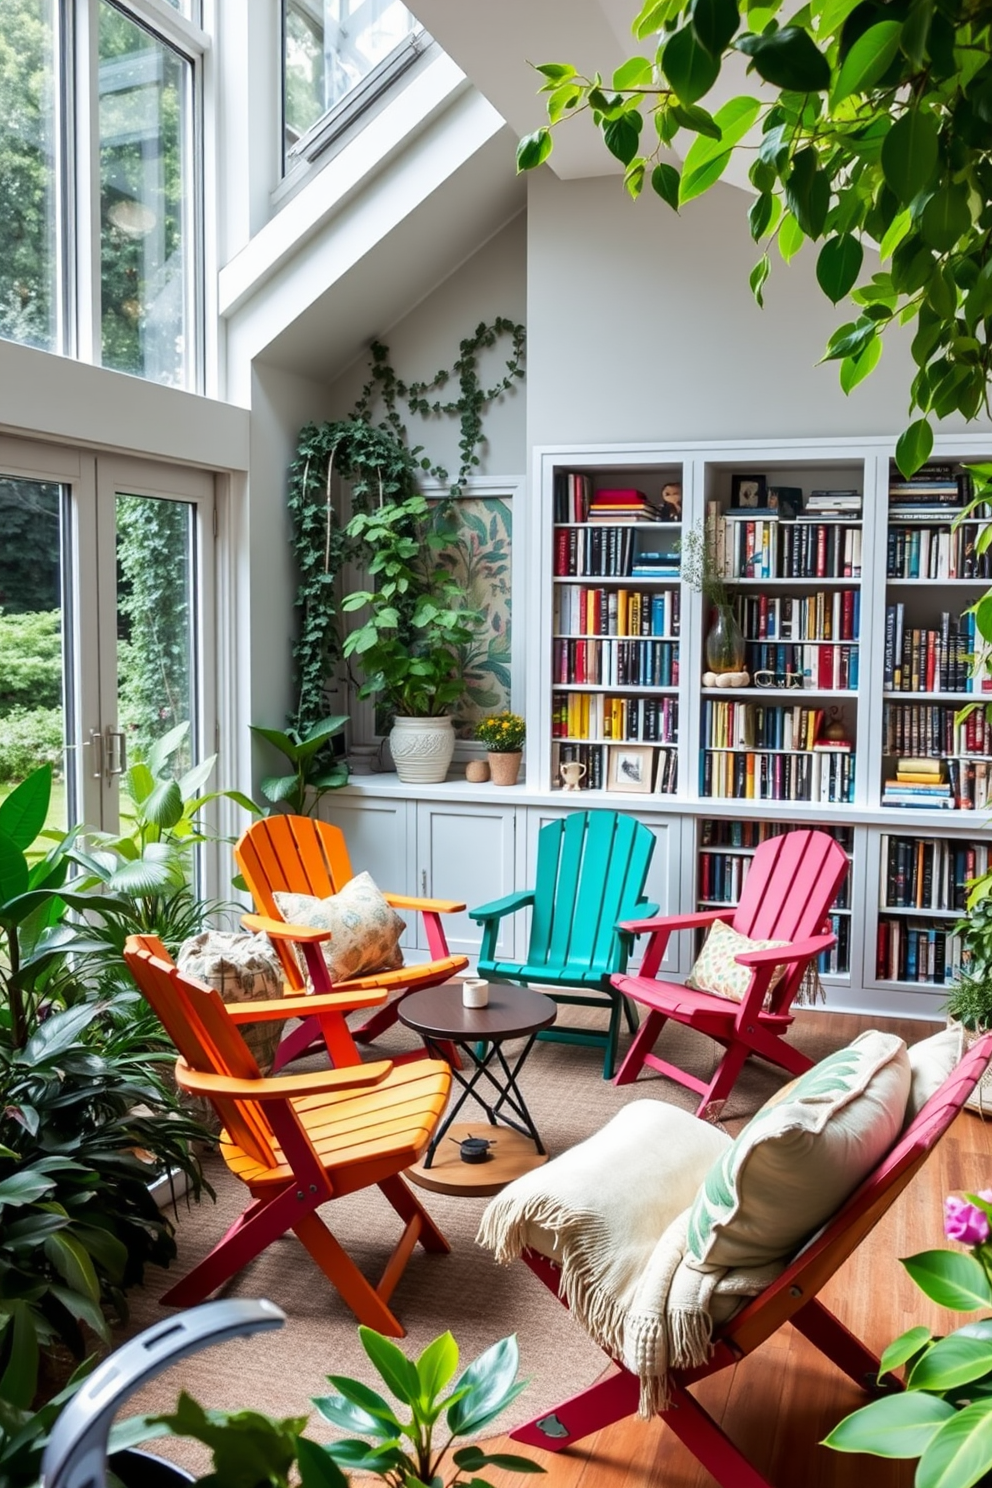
(966, 1223)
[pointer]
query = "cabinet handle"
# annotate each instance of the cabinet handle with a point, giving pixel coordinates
(423, 882)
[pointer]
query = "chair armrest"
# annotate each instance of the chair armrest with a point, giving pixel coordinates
(676, 922)
(303, 1006)
(798, 950)
(279, 1087)
(279, 930)
(427, 906)
(646, 910)
(500, 907)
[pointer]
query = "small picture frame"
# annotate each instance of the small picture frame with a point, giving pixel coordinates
(748, 493)
(786, 500)
(630, 769)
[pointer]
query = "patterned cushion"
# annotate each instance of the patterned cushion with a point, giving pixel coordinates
(365, 932)
(717, 971)
(800, 1157)
(242, 968)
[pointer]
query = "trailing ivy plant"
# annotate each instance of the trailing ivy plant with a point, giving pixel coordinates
(378, 463)
(873, 125)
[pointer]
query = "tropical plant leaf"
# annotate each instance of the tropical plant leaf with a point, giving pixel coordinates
(896, 1426)
(23, 813)
(950, 1278)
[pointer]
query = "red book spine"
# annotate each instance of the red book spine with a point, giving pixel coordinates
(821, 552)
(847, 615)
(561, 551)
(826, 667)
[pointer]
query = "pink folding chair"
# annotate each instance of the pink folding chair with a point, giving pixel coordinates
(791, 1298)
(790, 887)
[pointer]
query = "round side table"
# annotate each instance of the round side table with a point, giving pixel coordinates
(440, 1017)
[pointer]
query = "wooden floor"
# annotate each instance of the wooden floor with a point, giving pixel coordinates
(779, 1403)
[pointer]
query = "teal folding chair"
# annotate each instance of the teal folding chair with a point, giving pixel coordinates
(591, 868)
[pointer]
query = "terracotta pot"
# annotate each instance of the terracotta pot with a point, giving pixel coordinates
(504, 767)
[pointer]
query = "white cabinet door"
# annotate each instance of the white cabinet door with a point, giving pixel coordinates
(662, 884)
(380, 839)
(467, 853)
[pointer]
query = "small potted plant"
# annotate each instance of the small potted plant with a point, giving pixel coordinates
(407, 644)
(724, 645)
(503, 735)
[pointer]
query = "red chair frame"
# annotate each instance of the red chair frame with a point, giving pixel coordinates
(792, 883)
(791, 1298)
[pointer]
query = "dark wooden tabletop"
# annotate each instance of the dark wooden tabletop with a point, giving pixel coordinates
(439, 1012)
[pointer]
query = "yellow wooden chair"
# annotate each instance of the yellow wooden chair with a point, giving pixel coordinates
(297, 1141)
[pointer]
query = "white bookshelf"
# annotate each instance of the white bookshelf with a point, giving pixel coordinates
(706, 470)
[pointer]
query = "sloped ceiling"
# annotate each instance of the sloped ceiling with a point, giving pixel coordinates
(498, 46)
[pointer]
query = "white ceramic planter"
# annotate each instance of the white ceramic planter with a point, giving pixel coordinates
(422, 749)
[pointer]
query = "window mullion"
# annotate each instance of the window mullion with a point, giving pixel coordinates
(87, 180)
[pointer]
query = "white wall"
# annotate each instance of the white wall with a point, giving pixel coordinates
(642, 327)
(281, 405)
(493, 282)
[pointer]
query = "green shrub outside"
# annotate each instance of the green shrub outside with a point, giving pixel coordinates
(30, 660)
(29, 737)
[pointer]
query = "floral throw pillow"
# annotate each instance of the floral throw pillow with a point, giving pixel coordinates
(365, 932)
(716, 969)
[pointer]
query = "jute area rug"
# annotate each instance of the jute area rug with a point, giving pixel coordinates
(465, 1291)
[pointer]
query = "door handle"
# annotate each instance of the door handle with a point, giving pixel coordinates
(116, 752)
(95, 742)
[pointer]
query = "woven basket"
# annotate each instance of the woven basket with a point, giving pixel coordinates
(980, 1100)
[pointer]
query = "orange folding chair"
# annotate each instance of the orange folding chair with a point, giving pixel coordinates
(297, 1141)
(297, 855)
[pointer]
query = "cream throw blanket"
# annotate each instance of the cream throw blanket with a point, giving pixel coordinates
(612, 1213)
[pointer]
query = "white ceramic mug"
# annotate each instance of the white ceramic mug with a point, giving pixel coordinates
(475, 993)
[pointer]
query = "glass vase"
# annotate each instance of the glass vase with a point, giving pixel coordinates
(724, 641)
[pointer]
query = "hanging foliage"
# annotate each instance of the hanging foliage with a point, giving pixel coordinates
(376, 461)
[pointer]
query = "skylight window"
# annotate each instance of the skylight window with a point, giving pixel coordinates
(337, 54)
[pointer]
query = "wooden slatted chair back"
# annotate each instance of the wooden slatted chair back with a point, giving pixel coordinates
(294, 855)
(792, 882)
(828, 1250)
(591, 868)
(195, 1018)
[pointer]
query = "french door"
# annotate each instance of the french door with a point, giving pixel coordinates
(106, 619)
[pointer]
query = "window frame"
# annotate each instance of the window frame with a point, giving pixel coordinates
(190, 43)
(341, 115)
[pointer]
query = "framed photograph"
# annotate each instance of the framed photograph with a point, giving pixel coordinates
(630, 768)
(748, 493)
(786, 500)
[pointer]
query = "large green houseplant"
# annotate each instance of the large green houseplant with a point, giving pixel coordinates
(414, 620)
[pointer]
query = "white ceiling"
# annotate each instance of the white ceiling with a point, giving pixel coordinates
(498, 47)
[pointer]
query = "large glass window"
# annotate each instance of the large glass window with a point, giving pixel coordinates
(28, 133)
(99, 173)
(35, 725)
(330, 47)
(145, 199)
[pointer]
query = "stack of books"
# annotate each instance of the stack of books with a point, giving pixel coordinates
(919, 782)
(621, 506)
(933, 491)
(825, 506)
(656, 554)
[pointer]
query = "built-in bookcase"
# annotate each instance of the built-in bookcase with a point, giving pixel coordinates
(617, 663)
(794, 572)
(922, 899)
(616, 611)
(936, 749)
